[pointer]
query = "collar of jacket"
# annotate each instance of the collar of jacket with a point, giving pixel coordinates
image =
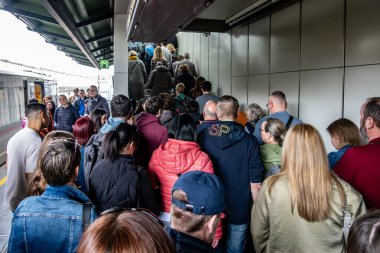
(66, 192)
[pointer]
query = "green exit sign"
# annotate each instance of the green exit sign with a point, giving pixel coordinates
(104, 64)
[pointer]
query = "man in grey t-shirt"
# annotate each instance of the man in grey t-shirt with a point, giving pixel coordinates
(202, 100)
(22, 154)
(277, 109)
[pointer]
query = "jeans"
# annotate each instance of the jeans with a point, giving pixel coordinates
(236, 238)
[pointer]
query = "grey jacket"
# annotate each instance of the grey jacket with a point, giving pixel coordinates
(97, 102)
(136, 79)
(192, 68)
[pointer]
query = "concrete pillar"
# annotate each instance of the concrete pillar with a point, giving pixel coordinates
(120, 54)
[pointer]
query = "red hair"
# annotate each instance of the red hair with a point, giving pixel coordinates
(83, 129)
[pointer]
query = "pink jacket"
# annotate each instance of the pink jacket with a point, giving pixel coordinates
(171, 160)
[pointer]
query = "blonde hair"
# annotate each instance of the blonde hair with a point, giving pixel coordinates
(132, 53)
(184, 67)
(158, 55)
(180, 88)
(345, 131)
(170, 47)
(305, 165)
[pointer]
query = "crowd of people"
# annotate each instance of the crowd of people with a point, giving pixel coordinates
(177, 172)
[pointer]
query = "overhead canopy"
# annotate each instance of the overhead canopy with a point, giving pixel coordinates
(82, 29)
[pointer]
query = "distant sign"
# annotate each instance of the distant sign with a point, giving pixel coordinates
(104, 64)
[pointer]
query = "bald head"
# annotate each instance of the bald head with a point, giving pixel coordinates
(209, 110)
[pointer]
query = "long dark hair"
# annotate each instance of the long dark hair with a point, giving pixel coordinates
(118, 139)
(96, 117)
(182, 128)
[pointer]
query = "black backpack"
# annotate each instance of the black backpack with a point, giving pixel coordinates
(92, 153)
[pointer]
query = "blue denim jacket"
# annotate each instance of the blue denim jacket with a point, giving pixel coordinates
(335, 156)
(51, 222)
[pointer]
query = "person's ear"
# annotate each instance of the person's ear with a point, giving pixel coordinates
(212, 224)
(369, 123)
(131, 148)
(76, 171)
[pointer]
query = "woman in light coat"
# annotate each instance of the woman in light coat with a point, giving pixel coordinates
(301, 208)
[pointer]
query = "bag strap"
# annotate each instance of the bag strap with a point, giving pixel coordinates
(290, 120)
(86, 215)
(132, 69)
(347, 216)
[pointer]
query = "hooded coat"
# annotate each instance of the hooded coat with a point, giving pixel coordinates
(160, 80)
(236, 158)
(152, 135)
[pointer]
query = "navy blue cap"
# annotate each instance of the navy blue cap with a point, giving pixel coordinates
(205, 193)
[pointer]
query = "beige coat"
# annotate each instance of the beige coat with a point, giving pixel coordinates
(275, 229)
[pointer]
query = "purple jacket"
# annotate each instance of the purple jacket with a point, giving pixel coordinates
(152, 135)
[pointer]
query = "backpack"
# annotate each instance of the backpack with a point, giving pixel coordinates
(92, 154)
(181, 105)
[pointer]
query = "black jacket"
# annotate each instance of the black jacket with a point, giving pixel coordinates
(121, 184)
(187, 244)
(188, 80)
(160, 80)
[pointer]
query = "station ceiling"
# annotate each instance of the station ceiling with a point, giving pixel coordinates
(84, 29)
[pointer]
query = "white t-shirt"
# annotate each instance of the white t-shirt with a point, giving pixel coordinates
(22, 154)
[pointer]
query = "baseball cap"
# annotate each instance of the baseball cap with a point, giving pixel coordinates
(205, 193)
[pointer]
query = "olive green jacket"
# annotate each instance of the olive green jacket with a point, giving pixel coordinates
(270, 155)
(275, 228)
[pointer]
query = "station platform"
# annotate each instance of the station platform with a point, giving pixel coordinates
(5, 214)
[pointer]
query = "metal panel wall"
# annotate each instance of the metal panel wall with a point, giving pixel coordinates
(322, 34)
(362, 32)
(240, 50)
(196, 58)
(289, 84)
(204, 56)
(190, 44)
(184, 47)
(321, 95)
(213, 64)
(258, 90)
(361, 82)
(239, 90)
(284, 49)
(225, 64)
(259, 43)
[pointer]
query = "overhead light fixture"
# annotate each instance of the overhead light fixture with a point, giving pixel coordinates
(250, 10)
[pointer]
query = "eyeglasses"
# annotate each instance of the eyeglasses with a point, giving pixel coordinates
(142, 210)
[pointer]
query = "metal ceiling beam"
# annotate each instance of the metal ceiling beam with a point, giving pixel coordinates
(51, 34)
(62, 45)
(99, 37)
(102, 47)
(57, 9)
(105, 56)
(31, 15)
(94, 20)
